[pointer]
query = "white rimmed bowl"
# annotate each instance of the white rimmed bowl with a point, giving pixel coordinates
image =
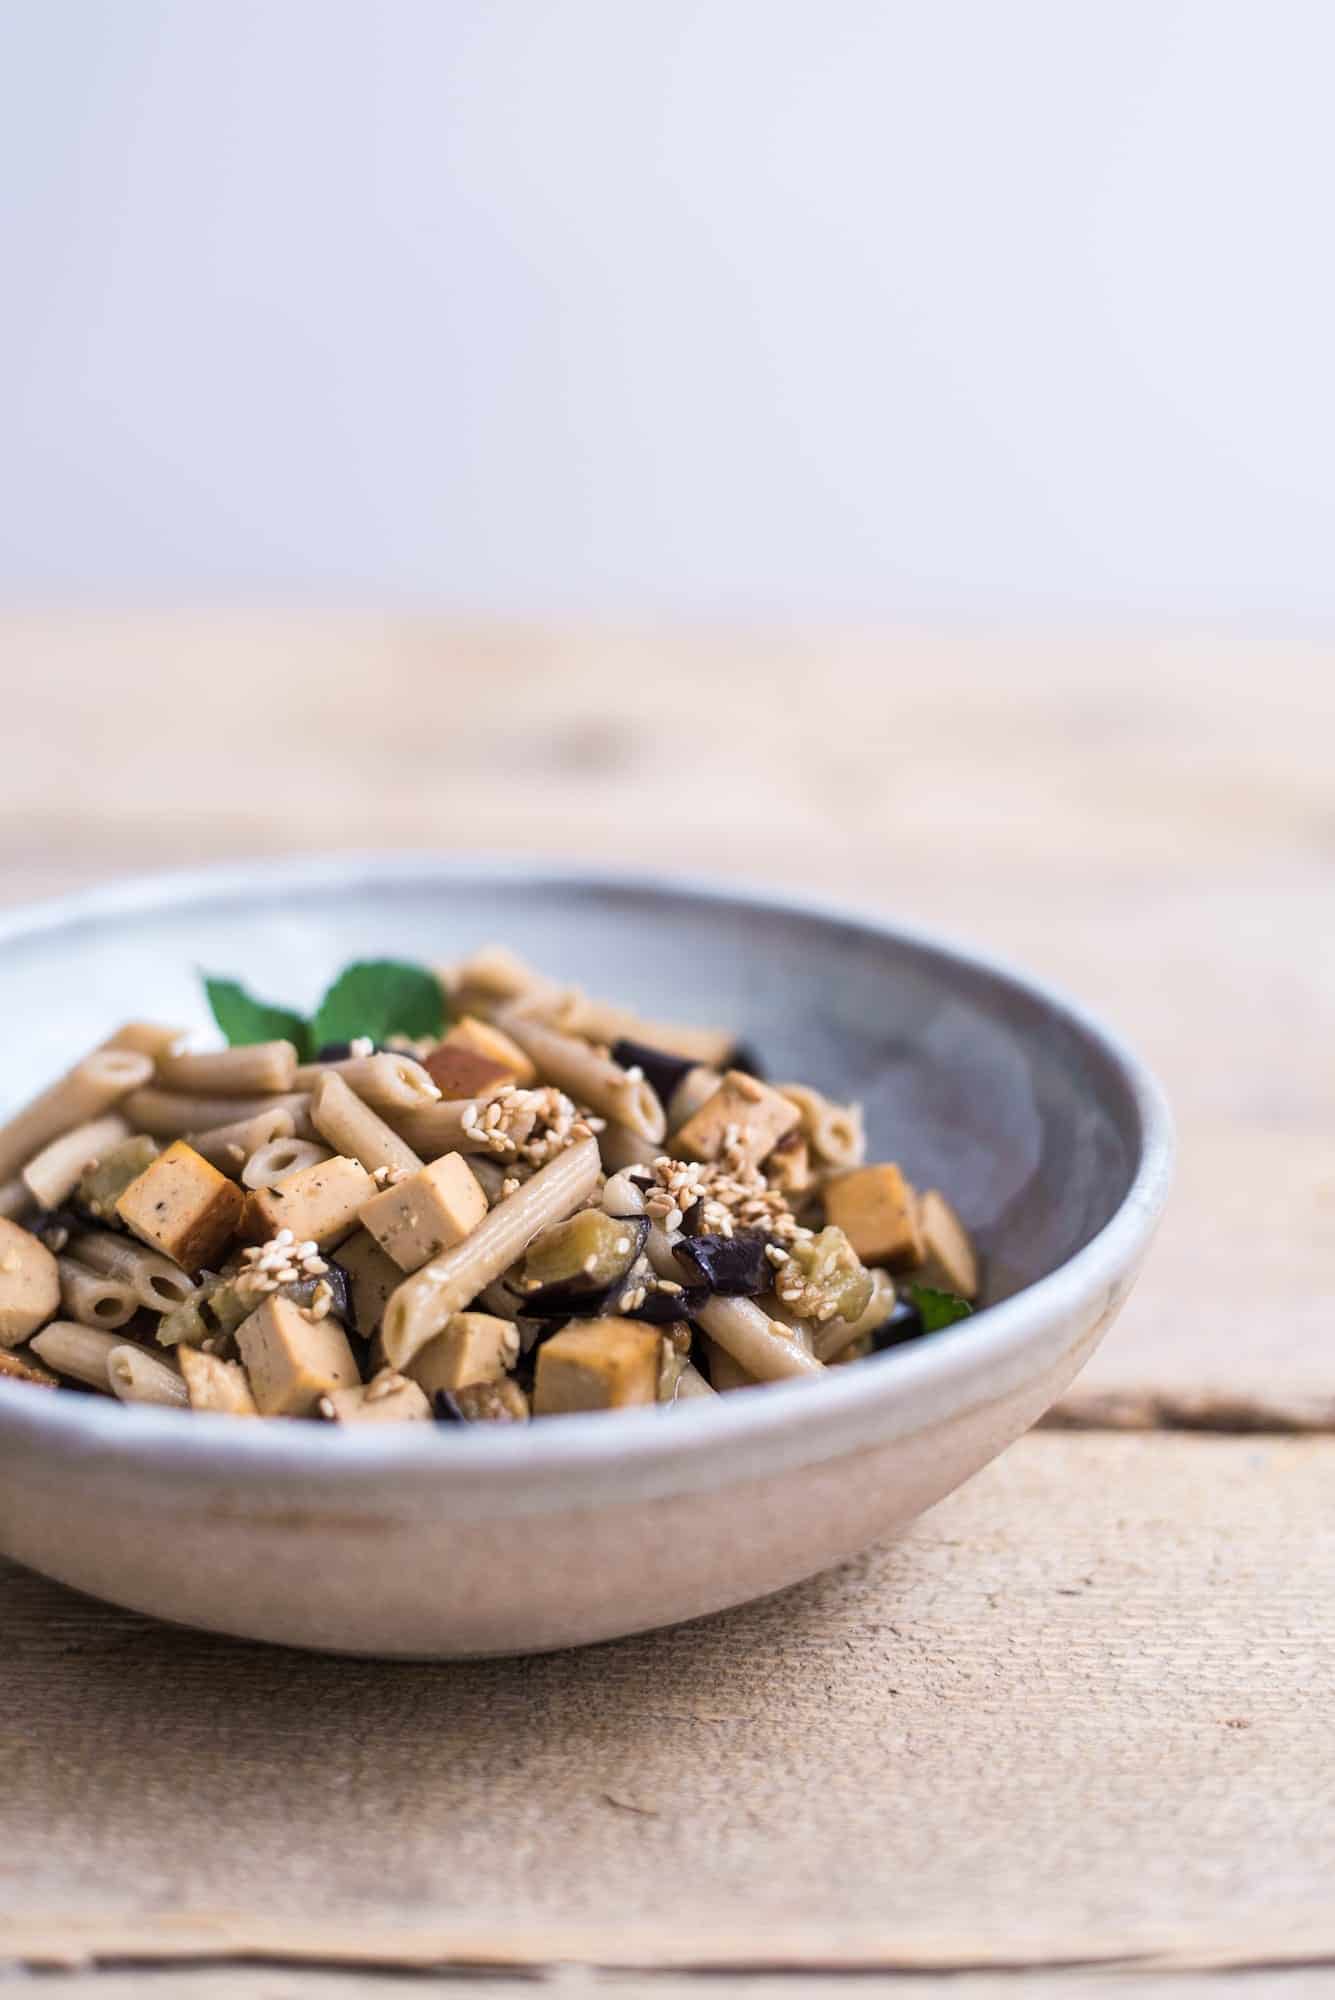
(432, 1541)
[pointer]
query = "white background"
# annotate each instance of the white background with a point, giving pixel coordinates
(975, 306)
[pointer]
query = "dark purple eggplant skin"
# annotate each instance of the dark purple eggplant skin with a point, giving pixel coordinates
(735, 1267)
(662, 1308)
(340, 1285)
(572, 1301)
(904, 1324)
(340, 1051)
(662, 1072)
(445, 1409)
(746, 1060)
(693, 1221)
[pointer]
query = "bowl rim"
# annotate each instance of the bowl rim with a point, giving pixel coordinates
(649, 1451)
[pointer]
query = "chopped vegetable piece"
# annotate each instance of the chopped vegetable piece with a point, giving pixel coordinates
(744, 1058)
(904, 1324)
(735, 1266)
(938, 1309)
(823, 1277)
(501, 1402)
(663, 1308)
(102, 1185)
(586, 1254)
(662, 1070)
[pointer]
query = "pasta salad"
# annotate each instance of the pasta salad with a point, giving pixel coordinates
(466, 1194)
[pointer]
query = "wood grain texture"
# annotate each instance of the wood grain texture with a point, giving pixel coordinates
(1080, 1714)
(1148, 818)
(266, 1982)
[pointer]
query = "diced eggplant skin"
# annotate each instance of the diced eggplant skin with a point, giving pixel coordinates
(571, 1301)
(746, 1059)
(561, 1252)
(734, 1267)
(662, 1071)
(692, 1221)
(342, 1051)
(340, 1285)
(445, 1409)
(47, 1228)
(662, 1308)
(904, 1324)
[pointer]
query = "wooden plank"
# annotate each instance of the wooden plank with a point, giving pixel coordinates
(565, 1982)
(1079, 1715)
(1146, 818)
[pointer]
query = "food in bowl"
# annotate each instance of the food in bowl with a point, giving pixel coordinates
(469, 1195)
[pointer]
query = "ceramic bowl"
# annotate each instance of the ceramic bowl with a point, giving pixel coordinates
(436, 1541)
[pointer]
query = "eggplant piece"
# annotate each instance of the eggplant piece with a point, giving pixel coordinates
(662, 1308)
(589, 1253)
(662, 1071)
(904, 1324)
(502, 1402)
(746, 1060)
(735, 1267)
(339, 1284)
(693, 1221)
(341, 1051)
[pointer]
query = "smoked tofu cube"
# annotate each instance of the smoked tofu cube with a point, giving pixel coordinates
(318, 1204)
(458, 1071)
(878, 1212)
(387, 1399)
(429, 1212)
(949, 1261)
(373, 1277)
(216, 1385)
(484, 1040)
(29, 1284)
(597, 1364)
(293, 1359)
(19, 1368)
(475, 1347)
(788, 1167)
(183, 1207)
(760, 1116)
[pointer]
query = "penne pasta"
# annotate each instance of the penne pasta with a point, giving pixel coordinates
(228, 1147)
(15, 1200)
(837, 1334)
(52, 1175)
(621, 1148)
(591, 1079)
(764, 1346)
(137, 1376)
(691, 1384)
(696, 1088)
(276, 1159)
(172, 1114)
(423, 1303)
(725, 1373)
(353, 1128)
(832, 1131)
(146, 1038)
(447, 1128)
(249, 1071)
(385, 1082)
(101, 1081)
(155, 1281)
(93, 1298)
(81, 1352)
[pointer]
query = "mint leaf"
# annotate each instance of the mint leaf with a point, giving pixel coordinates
(380, 997)
(244, 1019)
(938, 1309)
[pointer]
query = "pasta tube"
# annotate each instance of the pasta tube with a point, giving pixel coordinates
(248, 1071)
(85, 1092)
(52, 1175)
(591, 1079)
(352, 1128)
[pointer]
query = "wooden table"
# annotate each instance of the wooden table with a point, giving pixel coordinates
(1078, 1724)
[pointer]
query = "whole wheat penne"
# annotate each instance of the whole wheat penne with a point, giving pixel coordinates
(385, 1082)
(832, 1131)
(228, 1147)
(137, 1376)
(691, 1384)
(52, 1175)
(724, 1372)
(248, 1071)
(591, 1079)
(15, 1200)
(92, 1297)
(78, 1351)
(696, 1088)
(146, 1038)
(171, 1114)
(279, 1157)
(423, 1303)
(496, 979)
(155, 1281)
(353, 1128)
(489, 1175)
(764, 1346)
(88, 1090)
(492, 975)
(447, 1128)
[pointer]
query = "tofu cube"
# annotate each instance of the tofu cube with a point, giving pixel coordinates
(485, 1040)
(761, 1117)
(293, 1359)
(19, 1368)
(29, 1284)
(597, 1364)
(372, 1276)
(318, 1204)
(213, 1384)
(475, 1347)
(387, 1399)
(788, 1167)
(458, 1071)
(949, 1261)
(878, 1212)
(183, 1207)
(429, 1212)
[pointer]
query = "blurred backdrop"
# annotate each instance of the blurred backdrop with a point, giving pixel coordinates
(760, 306)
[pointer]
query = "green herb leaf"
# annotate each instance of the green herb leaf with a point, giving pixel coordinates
(380, 998)
(937, 1309)
(244, 1019)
